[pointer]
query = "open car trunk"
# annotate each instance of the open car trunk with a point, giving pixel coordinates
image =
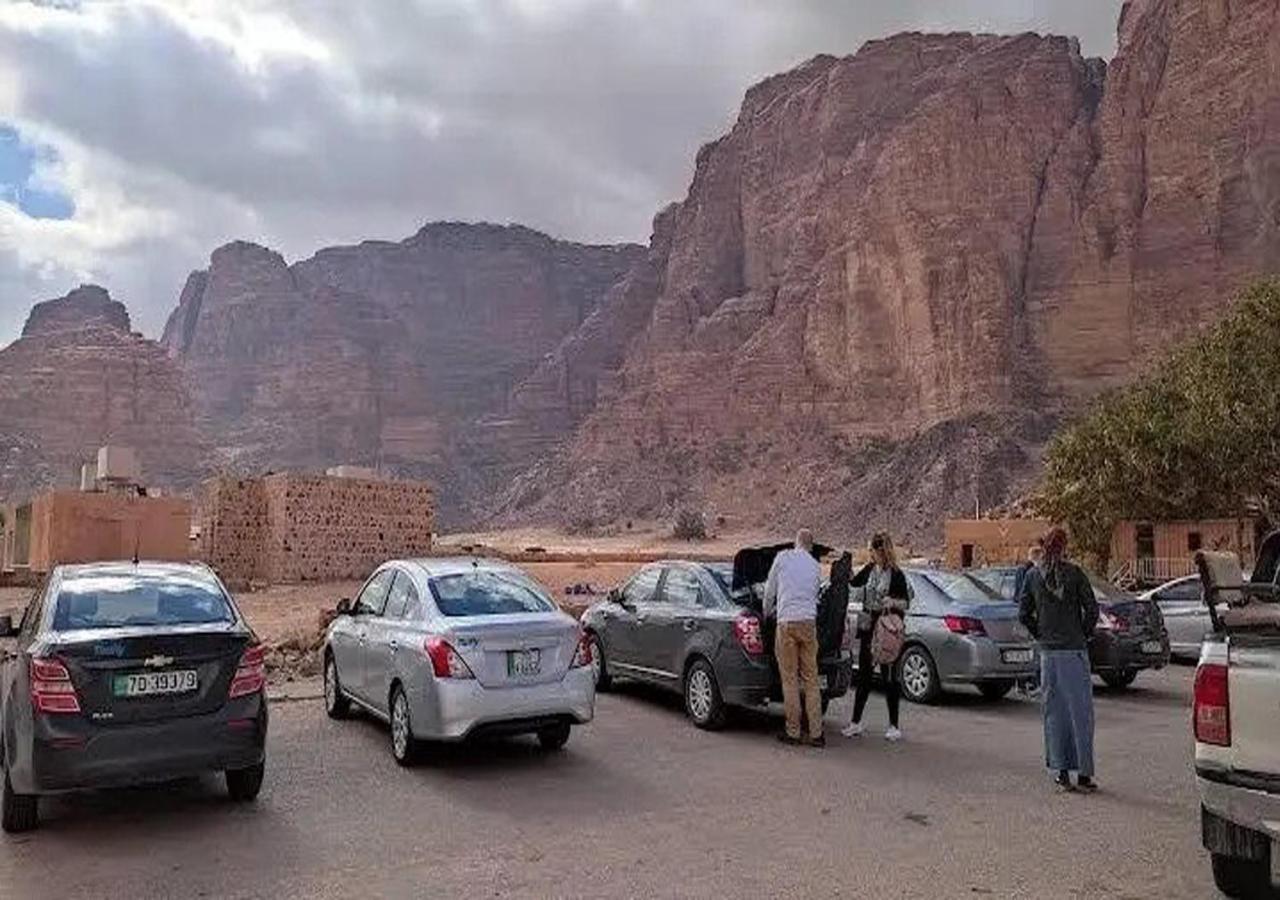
(751, 570)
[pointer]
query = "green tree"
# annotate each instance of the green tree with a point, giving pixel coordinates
(1198, 437)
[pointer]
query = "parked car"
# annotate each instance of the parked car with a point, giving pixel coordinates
(1186, 617)
(686, 627)
(1237, 732)
(959, 632)
(448, 649)
(126, 673)
(1130, 636)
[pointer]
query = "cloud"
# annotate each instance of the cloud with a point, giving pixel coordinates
(176, 125)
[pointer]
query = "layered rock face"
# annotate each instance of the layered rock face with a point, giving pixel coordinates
(900, 267)
(400, 355)
(78, 378)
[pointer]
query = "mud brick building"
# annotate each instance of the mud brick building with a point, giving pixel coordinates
(291, 527)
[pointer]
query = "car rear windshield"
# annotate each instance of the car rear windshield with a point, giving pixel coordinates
(122, 600)
(962, 588)
(488, 594)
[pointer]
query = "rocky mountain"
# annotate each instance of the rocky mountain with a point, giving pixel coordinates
(79, 378)
(900, 267)
(401, 355)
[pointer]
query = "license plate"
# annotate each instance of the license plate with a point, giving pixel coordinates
(1152, 647)
(1016, 656)
(523, 663)
(144, 684)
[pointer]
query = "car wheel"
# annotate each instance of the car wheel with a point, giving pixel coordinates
(403, 745)
(995, 690)
(18, 812)
(918, 675)
(335, 704)
(1119, 680)
(702, 699)
(598, 667)
(554, 737)
(1245, 878)
(243, 785)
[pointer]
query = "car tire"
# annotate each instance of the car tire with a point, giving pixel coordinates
(918, 675)
(554, 737)
(995, 690)
(335, 704)
(702, 700)
(603, 680)
(1119, 680)
(243, 785)
(404, 747)
(18, 812)
(1243, 878)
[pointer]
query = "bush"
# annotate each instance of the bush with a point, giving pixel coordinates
(690, 526)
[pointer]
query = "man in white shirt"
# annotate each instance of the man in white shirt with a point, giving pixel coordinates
(792, 589)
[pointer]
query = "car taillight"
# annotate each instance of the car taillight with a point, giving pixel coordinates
(251, 673)
(445, 661)
(582, 655)
(964, 625)
(1212, 716)
(1109, 621)
(746, 628)
(52, 692)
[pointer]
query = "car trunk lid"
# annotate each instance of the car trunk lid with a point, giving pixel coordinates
(999, 620)
(100, 662)
(515, 649)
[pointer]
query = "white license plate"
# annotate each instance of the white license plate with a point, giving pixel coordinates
(524, 663)
(1017, 656)
(144, 684)
(1152, 647)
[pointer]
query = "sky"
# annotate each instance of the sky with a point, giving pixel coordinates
(138, 135)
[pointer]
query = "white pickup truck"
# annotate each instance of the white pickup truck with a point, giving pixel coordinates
(1237, 724)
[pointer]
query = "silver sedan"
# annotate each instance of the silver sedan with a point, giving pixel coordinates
(1186, 617)
(446, 649)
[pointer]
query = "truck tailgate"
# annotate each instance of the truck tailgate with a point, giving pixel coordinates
(1254, 683)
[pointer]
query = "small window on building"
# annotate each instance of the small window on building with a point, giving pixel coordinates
(1194, 541)
(1145, 539)
(966, 556)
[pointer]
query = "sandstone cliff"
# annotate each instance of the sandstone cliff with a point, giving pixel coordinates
(78, 378)
(387, 354)
(899, 267)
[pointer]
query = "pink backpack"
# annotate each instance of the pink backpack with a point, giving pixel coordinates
(887, 640)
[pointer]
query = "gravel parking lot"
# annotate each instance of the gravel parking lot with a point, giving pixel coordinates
(642, 804)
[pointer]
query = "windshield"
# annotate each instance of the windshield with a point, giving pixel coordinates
(133, 599)
(488, 594)
(962, 588)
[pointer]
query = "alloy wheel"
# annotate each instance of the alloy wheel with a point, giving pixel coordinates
(330, 684)
(916, 675)
(400, 726)
(597, 662)
(701, 695)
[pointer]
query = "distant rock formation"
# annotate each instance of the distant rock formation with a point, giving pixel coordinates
(77, 379)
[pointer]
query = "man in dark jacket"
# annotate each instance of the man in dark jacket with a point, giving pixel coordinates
(1058, 607)
(1035, 555)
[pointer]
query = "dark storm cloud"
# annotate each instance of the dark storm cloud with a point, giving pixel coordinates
(183, 123)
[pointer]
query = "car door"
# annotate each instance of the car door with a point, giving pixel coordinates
(385, 637)
(624, 620)
(367, 609)
(1185, 616)
(673, 617)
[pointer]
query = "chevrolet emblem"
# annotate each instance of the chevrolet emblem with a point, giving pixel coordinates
(158, 662)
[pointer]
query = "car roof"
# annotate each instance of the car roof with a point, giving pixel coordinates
(153, 569)
(438, 567)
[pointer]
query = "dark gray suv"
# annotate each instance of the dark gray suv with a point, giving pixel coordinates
(686, 627)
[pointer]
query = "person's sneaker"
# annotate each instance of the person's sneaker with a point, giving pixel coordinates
(1062, 781)
(852, 730)
(1086, 785)
(789, 740)
(893, 733)
(820, 741)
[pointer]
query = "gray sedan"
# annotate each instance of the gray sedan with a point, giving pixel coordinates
(1186, 617)
(446, 649)
(960, 632)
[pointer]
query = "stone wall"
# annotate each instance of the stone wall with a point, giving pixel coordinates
(290, 527)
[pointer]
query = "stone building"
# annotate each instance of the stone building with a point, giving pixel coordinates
(290, 527)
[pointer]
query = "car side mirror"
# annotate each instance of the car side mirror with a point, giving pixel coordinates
(7, 628)
(344, 607)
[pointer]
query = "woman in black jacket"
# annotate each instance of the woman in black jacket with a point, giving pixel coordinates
(883, 590)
